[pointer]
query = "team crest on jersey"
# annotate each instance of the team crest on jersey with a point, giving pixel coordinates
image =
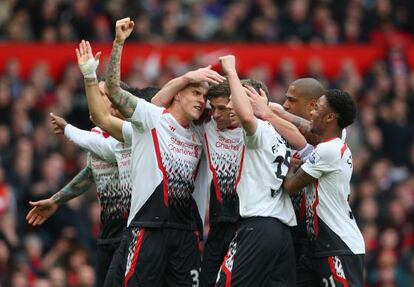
(314, 158)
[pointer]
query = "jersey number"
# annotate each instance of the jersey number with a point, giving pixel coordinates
(282, 160)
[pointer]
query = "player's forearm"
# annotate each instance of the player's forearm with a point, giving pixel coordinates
(96, 105)
(99, 112)
(241, 103)
(296, 179)
(165, 96)
(288, 131)
(122, 100)
(77, 186)
(302, 124)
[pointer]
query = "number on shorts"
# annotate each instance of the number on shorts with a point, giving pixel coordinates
(326, 282)
(194, 274)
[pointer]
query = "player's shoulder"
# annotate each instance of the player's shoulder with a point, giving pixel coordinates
(99, 131)
(330, 149)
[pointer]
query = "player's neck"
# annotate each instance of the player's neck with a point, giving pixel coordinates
(330, 134)
(179, 116)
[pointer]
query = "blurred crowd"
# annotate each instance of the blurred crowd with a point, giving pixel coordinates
(296, 21)
(34, 163)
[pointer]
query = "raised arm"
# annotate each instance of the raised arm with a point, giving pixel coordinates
(165, 96)
(43, 209)
(124, 101)
(283, 127)
(239, 99)
(97, 108)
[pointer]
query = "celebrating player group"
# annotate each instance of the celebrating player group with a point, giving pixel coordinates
(274, 180)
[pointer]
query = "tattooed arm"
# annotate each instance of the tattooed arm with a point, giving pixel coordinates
(302, 124)
(78, 185)
(43, 209)
(123, 101)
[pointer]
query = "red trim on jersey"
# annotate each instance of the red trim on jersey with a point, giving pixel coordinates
(302, 206)
(199, 244)
(241, 167)
(335, 275)
(214, 173)
(165, 111)
(226, 271)
(135, 258)
(233, 128)
(160, 165)
(197, 169)
(105, 135)
(97, 131)
(315, 204)
(343, 149)
(329, 139)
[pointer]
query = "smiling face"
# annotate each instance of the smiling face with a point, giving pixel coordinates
(234, 120)
(321, 116)
(192, 100)
(220, 112)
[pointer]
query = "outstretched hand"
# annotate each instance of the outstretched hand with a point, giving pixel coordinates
(123, 28)
(41, 211)
(58, 123)
(205, 74)
(87, 62)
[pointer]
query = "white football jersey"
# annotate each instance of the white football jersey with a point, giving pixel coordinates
(165, 158)
(264, 164)
(331, 224)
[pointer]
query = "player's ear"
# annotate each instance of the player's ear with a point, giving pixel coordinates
(331, 117)
(177, 97)
(312, 104)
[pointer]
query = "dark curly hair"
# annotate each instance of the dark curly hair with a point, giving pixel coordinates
(343, 105)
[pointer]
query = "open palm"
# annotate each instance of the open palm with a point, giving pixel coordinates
(41, 211)
(84, 53)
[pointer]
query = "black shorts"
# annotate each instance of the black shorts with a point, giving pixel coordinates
(157, 257)
(105, 253)
(340, 271)
(216, 247)
(260, 254)
(116, 270)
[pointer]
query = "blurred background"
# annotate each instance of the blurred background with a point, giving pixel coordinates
(364, 47)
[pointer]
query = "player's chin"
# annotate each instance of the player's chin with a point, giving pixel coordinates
(196, 114)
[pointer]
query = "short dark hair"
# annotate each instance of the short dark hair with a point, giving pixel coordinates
(257, 85)
(219, 90)
(146, 93)
(309, 88)
(342, 104)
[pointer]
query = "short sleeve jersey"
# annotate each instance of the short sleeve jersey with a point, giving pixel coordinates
(106, 177)
(165, 157)
(264, 164)
(331, 225)
(223, 149)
